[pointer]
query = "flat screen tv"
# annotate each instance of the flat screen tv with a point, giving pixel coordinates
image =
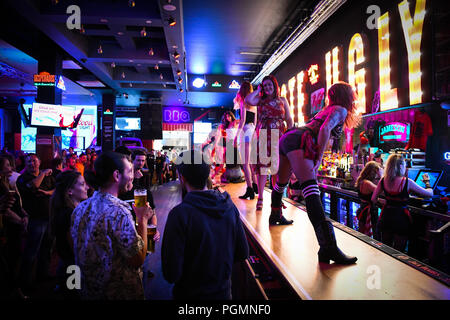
(128, 124)
(57, 116)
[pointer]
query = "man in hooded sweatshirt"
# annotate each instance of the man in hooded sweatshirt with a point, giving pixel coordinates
(203, 236)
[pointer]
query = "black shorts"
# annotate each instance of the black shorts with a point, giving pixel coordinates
(292, 140)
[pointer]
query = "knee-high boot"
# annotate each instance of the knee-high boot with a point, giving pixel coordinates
(276, 214)
(322, 227)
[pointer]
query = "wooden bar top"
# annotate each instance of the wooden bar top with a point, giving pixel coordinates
(294, 248)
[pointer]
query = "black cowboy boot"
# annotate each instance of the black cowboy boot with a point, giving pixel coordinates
(248, 194)
(328, 247)
(277, 218)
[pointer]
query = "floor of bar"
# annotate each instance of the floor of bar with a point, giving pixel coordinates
(293, 250)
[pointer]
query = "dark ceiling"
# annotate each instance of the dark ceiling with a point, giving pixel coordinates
(129, 49)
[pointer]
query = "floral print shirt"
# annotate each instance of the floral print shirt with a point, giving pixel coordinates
(104, 239)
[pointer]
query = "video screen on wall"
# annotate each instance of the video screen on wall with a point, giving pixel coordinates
(58, 116)
(80, 138)
(128, 124)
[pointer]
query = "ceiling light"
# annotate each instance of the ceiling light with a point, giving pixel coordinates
(131, 3)
(123, 75)
(156, 67)
(143, 33)
(178, 72)
(148, 21)
(131, 85)
(82, 31)
(164, 85)
(198, 82)
(120, 33)
(180, 80)
(131, 60)
(177, 61)
(104, 20)
(113, 65)
(171, 21)
(161, 76)
(181, 90)
(176, 55)
(169, 7)
(100, 50)
(151, 52)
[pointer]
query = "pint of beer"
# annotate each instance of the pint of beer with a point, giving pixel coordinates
(151, 231)
(140, 197)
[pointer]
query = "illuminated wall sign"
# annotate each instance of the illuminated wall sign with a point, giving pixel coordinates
(176, 115)
(198, 82)
(394, 131)
(357, 78)
(300, 98)
(216, 84)
(408, 17)
(412, 30)
(447, 156)
(61, 84)
(388, 95)
(44, 79)
(234, 85)
(313, 73)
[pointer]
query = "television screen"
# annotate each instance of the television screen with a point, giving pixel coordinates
(85, 133)
(58, 116)
(128, 124)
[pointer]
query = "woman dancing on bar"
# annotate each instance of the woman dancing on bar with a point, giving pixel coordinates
(272, 111)
(301, 150)
(245, 132)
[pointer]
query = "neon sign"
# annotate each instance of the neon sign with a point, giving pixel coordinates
(216, 85)
(44, 79)
(412, 22)
(447, 156)
(394, 131)
(176, 115)
(234, 85)
(61, 84)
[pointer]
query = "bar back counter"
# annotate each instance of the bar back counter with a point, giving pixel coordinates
(430, 242)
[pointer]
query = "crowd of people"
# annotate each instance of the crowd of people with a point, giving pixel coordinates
(81, 205)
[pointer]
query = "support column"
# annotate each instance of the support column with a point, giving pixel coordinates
(49, 60)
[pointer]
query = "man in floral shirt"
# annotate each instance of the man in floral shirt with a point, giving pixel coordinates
(107, 247)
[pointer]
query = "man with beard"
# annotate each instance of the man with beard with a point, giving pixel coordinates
(108, 249)
(203, 236)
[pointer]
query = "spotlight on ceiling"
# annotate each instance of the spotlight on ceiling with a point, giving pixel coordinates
(176, 55)
(171, 21)
(198, 83)
(131, 3)
(178, 72)
(180, 80)
(151, 52)
(143, 33)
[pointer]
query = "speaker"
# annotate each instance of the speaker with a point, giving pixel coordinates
(151, 121)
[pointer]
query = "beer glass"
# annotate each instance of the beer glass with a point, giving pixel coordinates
(151, 231)
(140, 197)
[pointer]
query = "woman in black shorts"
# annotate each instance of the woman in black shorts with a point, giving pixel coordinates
(301, 150)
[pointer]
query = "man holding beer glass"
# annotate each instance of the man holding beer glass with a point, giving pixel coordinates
(108, 246)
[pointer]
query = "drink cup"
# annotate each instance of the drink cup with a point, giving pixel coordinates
(140, 197)
(151, 231)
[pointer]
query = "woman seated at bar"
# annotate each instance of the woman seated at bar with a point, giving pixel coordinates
(395, 220)
(366, 185)
(301, 150)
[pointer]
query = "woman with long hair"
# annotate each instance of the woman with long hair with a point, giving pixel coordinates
(366, 185)
(301, 150)
(395, 221)
(245, 132)
(224, 133)
(70, 190)
(14, 221)
(273, 118)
